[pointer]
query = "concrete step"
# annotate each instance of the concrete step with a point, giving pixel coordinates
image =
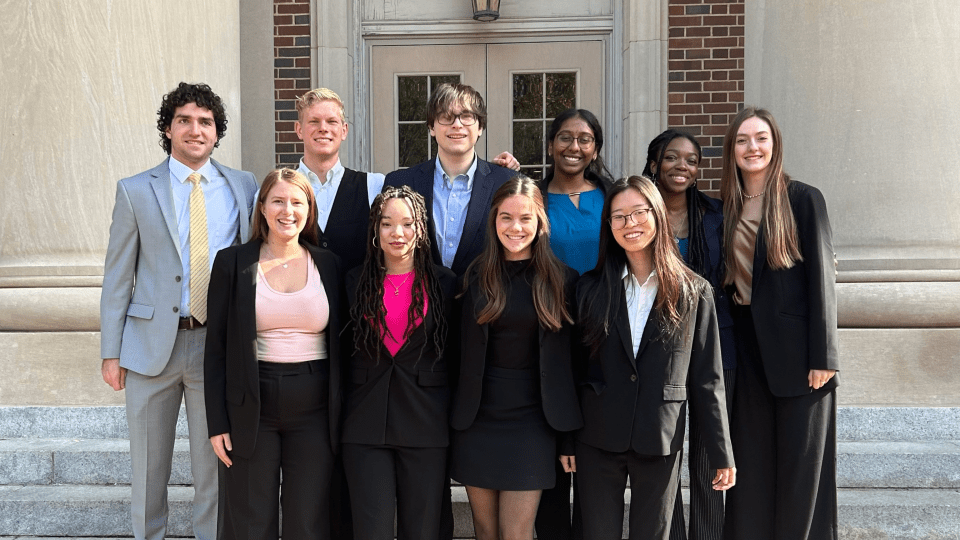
(103, 511)
(866, 464)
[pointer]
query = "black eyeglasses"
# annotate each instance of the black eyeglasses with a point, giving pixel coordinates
(466, 119)
(566, 139)
(637, 216)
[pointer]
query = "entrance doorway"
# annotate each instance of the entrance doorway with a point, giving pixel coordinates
(525, 86)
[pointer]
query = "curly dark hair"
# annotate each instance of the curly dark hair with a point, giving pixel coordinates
(183, 94)
(368, 314)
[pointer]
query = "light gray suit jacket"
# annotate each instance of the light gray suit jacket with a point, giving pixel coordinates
(143, 272)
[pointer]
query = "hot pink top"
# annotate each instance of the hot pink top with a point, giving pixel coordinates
(397, 297)
(290, 326)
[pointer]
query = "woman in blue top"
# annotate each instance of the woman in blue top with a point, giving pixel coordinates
(696, 220)
(573, 191)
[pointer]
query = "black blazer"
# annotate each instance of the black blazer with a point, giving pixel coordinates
(557, 388)
(639, 401)
(795, 310)
(231, 372)
(712, 224)
(402, 400)
(487, 179)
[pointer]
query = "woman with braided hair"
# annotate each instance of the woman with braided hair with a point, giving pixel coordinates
(696, 221)
(397, 384)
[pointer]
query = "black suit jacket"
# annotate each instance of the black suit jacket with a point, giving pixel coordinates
(402, 400)
(487, 179)
(639, 401)
(557, 388)
(712, 224)
(231, 372)
(795, 310)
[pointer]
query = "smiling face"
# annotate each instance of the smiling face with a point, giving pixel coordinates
(285, 210)
(455, 140)
(517, 227)
(679, 168)
(753, 148)
(571, 159)
(398, 235)
(322, 129)
(192, 134)
(633, 237)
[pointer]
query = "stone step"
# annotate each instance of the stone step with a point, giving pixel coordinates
(110, 422)
(873, 464)
(103, 511)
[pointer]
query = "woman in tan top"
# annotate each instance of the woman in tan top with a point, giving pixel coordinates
(781, 274)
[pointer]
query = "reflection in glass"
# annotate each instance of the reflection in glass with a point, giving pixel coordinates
(561, 93)
(535, 172)
(412, 144)
(437, 80)
(528, 142)
(412, 98)
(527, 95)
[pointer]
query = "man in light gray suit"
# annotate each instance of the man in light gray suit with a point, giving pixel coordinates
(152, 336)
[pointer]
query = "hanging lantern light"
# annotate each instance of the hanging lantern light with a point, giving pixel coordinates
(486, 10)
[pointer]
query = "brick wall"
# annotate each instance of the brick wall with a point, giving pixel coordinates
(706, 75)
(291, 73)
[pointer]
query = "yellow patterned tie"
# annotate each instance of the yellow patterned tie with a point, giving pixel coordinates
(199, 251)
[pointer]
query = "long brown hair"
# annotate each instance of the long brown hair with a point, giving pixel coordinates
(368, 314)
(779, 225)
(678, 287)
(290, 176)
(489, 268)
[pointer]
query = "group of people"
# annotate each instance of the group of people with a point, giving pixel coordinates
(348, 342)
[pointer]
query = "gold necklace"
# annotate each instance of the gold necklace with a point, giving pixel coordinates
(753, 196)
(396, 288)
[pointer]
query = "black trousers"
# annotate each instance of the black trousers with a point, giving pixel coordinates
(602, 479)
(786, 451)
(293, 438)
(382, 478)
(553, 515)
(706, 504)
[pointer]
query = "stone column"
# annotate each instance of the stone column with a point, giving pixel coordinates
(81, 85)
(865, 93)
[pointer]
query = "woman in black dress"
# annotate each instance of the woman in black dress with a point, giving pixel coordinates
(395, 433)
(516, 388)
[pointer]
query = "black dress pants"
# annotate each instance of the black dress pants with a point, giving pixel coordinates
(786, 451)
(293, 438)
(602, 480)
(706, 504)
(382, 478)
(553, 515)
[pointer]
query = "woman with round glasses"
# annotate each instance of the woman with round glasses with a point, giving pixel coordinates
(650, 329)
(573, 190)
(696, 221)
(780, 271)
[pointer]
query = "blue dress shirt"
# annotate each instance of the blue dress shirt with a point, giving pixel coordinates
(450, 201)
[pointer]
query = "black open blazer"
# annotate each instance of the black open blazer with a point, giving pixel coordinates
(638, 402)
(795, 310)
(402, 400)
(557, 388)
(231, 372)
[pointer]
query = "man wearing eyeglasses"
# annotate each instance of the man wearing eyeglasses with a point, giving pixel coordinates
(457, 186)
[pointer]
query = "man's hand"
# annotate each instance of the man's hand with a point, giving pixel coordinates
(507, 160)
(221, 445)
(113, 374)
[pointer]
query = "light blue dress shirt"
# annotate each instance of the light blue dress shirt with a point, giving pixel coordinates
(451, 198)
(640, 300)
(223, 217)
(326, 191)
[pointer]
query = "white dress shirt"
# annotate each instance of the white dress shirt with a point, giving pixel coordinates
(640, 300)
(326, 190)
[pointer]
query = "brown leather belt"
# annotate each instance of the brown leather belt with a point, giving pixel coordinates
(189, 323)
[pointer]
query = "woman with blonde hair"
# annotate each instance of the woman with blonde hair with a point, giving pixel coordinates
(781, 275)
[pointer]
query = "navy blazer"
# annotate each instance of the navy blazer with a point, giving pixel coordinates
(712, 223)
(638, 401)
(402, 400)
(557, 388)
(230, 368)
(487, 179)
(795, 310)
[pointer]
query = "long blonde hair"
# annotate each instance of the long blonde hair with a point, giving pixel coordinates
(779, 225)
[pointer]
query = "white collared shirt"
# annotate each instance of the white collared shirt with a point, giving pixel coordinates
(640, 300)
(326, 190)
(223, 217)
